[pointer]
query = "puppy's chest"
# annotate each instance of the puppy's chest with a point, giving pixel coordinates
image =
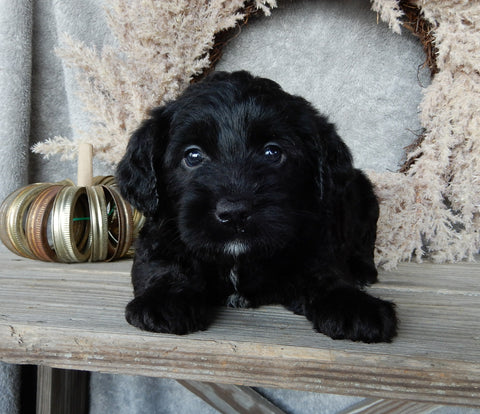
(236, 299)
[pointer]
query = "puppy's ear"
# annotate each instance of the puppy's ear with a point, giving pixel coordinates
(333, 156)
(338, 156)
(138, 173)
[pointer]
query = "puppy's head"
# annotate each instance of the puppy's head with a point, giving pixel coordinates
(238, 164)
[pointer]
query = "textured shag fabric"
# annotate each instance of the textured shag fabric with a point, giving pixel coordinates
(431, 210)
(9, 388)
(16, 46)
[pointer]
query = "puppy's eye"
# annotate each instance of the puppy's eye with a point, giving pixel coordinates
(193, 157)
(273, 153)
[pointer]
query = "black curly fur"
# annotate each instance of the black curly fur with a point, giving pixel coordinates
(251, 199)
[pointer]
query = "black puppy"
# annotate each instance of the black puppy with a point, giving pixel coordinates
(251, 199)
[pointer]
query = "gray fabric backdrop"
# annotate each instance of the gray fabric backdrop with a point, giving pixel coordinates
(364, 77)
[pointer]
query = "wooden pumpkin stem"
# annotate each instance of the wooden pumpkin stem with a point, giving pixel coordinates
(85, 165)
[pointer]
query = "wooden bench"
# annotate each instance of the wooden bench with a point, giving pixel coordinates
(71, 317)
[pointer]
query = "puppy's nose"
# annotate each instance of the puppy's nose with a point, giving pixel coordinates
(233, 213)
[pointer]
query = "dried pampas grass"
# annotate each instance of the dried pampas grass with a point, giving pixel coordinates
(160, 47)
(433, 208)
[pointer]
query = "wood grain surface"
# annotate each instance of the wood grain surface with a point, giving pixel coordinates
(72, 316)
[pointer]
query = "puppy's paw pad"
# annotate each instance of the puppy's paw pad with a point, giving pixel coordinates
(174, 316)
(355, 315)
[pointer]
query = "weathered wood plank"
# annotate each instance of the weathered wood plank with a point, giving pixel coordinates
(71, 316)
(231, 399)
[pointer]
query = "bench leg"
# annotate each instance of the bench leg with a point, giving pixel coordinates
(231, 399)
(378, 406)
(62, 391)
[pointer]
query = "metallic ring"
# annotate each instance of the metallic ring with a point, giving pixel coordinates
(71, 239)
(13, 213)
(37, 222)
(65, 182)
(98, 223)
(3, 221)
(86, 223)
(104, 180)
(120, 224)
(138, 221)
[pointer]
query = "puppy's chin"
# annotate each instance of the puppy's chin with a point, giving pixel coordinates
(209, 250)
(214, 251)
(236, 248)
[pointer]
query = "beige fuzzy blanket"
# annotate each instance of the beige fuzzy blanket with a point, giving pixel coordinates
(430, 210)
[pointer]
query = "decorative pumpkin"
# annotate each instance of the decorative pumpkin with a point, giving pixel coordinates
(63, 222)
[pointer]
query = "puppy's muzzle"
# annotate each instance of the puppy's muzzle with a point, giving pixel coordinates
(233, 214)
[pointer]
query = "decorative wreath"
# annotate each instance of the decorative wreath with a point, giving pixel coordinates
(429, 208)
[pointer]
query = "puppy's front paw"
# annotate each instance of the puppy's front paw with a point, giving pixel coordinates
(174, 314)
(348, 313)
